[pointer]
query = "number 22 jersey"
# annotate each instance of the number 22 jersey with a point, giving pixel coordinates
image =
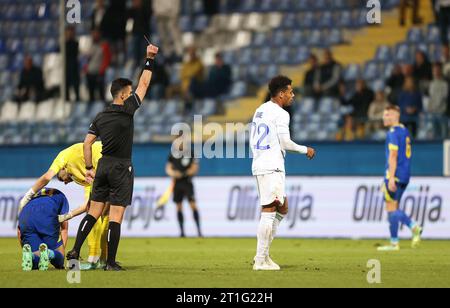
(269, 122)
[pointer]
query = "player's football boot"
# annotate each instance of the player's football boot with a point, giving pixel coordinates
(44, 259)
(113, 268)
(417, 236)
(392, 247)
(73, 255)
(27, 258)
(264, 266)
(272, 264)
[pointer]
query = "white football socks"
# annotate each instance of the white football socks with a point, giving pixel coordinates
(264, 236)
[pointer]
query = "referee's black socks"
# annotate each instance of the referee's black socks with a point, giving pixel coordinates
(84, 229)
(197, 222)
(113, 241)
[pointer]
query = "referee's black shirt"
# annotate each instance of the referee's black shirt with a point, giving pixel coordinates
(115, 127)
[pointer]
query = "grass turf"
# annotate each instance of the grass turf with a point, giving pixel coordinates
(226, 263)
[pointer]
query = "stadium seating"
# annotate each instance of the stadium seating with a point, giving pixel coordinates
(257, 37)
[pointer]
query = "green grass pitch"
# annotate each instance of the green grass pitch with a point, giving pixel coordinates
(226, 263)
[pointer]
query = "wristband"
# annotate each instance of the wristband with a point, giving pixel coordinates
(89, 168)
(149, 64)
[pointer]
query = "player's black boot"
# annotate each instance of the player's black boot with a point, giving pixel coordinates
(114, 268)
(73, 255)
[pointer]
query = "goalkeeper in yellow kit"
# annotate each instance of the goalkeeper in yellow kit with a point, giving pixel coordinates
(69, 167)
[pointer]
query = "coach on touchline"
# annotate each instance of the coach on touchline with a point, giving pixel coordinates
(113, 181)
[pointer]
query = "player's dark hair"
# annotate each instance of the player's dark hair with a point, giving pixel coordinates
(279, 84)
(392, 107)
(118, 85)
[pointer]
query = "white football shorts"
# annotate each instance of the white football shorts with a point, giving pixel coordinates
(271, 188)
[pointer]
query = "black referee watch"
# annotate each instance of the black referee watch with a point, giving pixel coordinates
(89, 168)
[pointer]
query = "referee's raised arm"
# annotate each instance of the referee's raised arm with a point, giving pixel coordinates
(146, 77)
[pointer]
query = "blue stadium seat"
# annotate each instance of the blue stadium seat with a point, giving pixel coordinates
(403, 53)
(4, 61)
(335, 37)
(260, 39)
(320, 5)
(433, 36)
(185, 24)
(326, 20)
(306, 20)
(238, 89)
(378, 85)
(248, 6)
(283, 56)
(264, 56)
(415, 36)
(201, 23)
(290, 21)
(278, 38)
(228, 57)
(315, 39)
(383, 54)
(352, 72)
(245, 56)
(307, 106)
(299, 55)
(435, 53)
(371, 71)
(50, 45)
(265, 6)
(328, 105)
(387, 70)
(285, 5)
(345, 19)
(297, 38)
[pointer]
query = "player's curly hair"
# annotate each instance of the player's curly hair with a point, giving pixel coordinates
(279, 84)
(118, 85)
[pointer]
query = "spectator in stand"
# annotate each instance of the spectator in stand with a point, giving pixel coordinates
(140, 13)
(361, 101)
(192, 70)
(395, 83)
(160, 80)
(437, 104)
(414, 5)
(330, 75)
(376, 111)
(167, 13)
(446, 62)
(99, 59)
(410, 103)
(443, 8)
(31, 84)
(354, 123)
(312, 78)
(98, 15)
(422, 71)
(114, 30)
(72, 64)
(218, 82)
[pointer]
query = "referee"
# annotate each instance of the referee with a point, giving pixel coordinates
(182, 167)
(115, 175)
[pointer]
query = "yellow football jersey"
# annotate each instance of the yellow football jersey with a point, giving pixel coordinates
(72, 160)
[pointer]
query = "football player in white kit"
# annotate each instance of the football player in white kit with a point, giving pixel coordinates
(269, 141)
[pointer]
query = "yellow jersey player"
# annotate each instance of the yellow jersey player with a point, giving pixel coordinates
(69, 167)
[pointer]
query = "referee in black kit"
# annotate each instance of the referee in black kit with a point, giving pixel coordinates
(182, 167)
(113, 181)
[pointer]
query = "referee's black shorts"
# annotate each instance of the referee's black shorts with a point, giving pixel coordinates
(114, 181)
(183, 189)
